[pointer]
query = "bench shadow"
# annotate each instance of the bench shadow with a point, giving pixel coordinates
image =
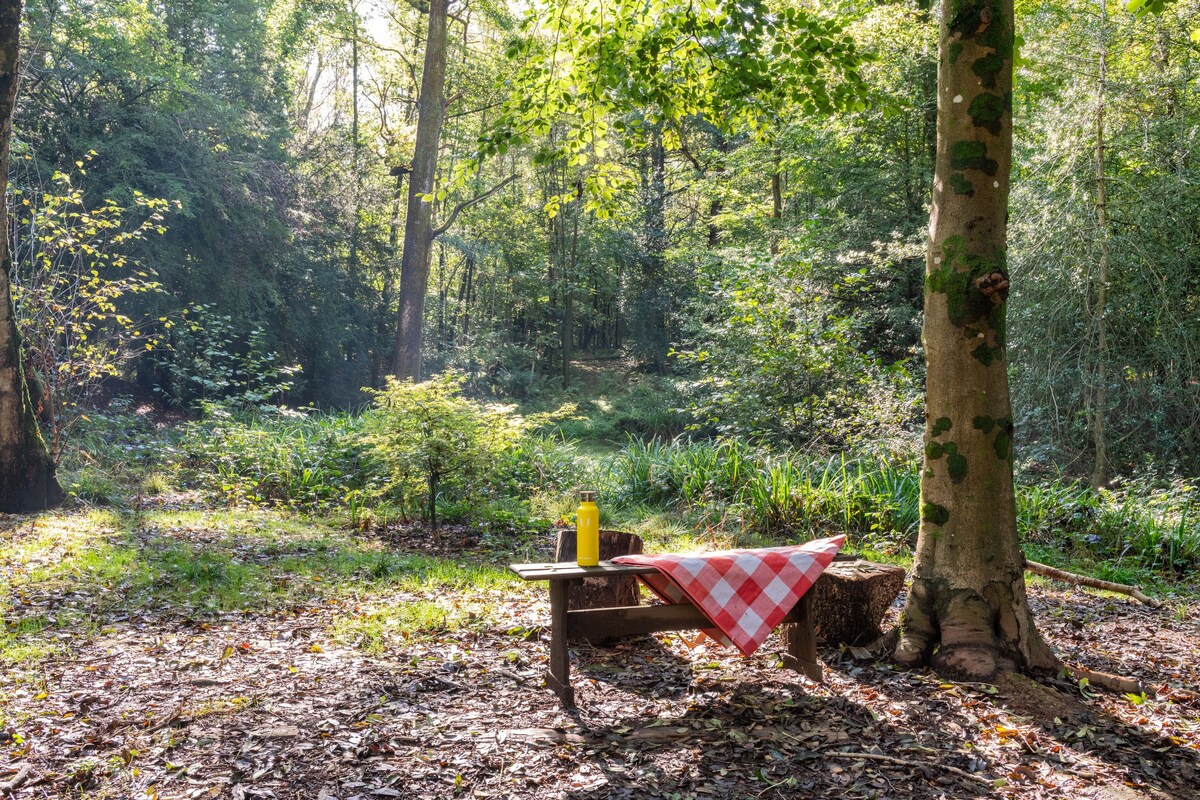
(639, 664)
(767, 740)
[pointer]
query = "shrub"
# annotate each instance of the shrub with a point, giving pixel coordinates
(432, 441)
(304, 460)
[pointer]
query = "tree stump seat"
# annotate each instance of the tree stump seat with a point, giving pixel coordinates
(850, 599)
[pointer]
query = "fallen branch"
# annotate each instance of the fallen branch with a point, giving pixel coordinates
(17, 781)
(1094, 583)
(962, 773)
(1106, 680)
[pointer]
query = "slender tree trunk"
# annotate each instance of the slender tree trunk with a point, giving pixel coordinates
(356, 146)
(418, 226)
(652, 293)
(389, 276)
(568, 331)
(968, 603)
(27, 481)
(776, 199)
(1100, 396)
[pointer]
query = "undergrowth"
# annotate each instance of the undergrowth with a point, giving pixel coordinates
(680, 493)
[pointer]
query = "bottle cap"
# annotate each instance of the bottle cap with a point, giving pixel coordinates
(587, 497)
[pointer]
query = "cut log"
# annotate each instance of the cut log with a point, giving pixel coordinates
(850, 599)
(602, 592)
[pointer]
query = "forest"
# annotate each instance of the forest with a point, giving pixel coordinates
(317, 315)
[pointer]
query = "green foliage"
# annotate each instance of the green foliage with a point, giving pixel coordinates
(731, 485)
(209, 364)
(1145, 523)
(639, 67)
(1148, 360)
(436, 444)
(311, 461)
(93, 487)
(72, 274)
(776, 361)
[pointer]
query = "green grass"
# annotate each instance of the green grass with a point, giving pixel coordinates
(101, 566)
(377, 630)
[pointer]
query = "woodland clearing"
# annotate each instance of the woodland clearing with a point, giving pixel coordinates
(179, 651)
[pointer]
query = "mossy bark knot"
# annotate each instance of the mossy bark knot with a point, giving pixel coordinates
(994, 286)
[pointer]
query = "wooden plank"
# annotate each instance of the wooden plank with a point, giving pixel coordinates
(599, 624)
(607, 591)
(550, 571)
(559, 678)
(570, 571)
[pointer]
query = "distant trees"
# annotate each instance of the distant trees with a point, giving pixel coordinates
(636, 165)
(27, 480)
(1104, 323)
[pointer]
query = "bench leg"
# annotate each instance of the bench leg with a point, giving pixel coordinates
(559, 678)
(801, 643)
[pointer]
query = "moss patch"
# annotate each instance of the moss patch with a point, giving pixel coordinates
(961, 184)
(987, 355)
(972, 155)
(935, 514)
(941, 425)
(956, 464)
(956, 279)
(986, 111)
(988, 68)
(982, 423)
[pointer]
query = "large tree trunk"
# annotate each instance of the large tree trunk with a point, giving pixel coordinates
(968, 591)
(27, 481)
(418, 226)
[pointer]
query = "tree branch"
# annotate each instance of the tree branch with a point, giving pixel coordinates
(1095, 583)
(461, 207)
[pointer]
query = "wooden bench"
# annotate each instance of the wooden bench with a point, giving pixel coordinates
(601, 624)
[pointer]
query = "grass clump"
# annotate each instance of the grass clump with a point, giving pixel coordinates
(377, 630)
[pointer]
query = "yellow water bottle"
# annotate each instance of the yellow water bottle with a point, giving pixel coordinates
(587, 531)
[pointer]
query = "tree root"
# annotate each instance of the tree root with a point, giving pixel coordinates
(1095, 583)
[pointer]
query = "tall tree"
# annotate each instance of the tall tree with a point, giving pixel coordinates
(418, 224)
(419, 231)
(27, 481)
(967, 609)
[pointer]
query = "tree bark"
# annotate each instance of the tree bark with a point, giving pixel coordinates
(418, 225)
(27, 481)
(968, 602)
(653, 297)
(1100, 397)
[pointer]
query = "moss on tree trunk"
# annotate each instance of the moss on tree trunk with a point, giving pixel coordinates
(27, 481)
(967, 611)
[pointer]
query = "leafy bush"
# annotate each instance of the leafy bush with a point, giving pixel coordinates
(71, 276)
(432, 441)
(310, 461)
(211, 364)
(776, 361)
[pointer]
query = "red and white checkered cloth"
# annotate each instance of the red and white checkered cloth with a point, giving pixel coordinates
(745, 593)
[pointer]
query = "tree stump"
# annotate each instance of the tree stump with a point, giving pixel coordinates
(850, 599)
(601, 592)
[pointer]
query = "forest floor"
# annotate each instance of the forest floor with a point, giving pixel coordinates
(183, 652)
